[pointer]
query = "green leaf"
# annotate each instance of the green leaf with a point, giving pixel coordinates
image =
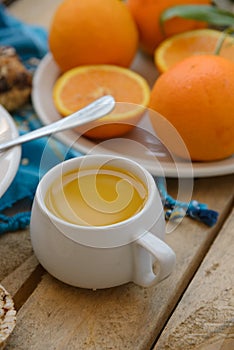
(207, 13)
(222, 38)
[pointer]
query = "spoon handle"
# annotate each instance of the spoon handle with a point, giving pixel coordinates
(91, 112)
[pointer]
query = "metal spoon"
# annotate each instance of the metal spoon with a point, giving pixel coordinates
(93, 111)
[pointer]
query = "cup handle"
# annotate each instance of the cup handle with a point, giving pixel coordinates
(147, 247)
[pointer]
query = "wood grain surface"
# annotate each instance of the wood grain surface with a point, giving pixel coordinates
(204, 318)
(57, 316)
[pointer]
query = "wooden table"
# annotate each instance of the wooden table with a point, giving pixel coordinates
(192, 309)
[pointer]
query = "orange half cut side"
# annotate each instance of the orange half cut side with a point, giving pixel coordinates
(80, 86)
(195, 42)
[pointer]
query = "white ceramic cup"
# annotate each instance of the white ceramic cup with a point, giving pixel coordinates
(102, 256)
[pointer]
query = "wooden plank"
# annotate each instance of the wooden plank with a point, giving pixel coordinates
(15, 249)
(40, 13)
(21, 283)
(57, 316)
(204, 319)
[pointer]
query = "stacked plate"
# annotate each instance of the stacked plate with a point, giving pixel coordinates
(9, 160)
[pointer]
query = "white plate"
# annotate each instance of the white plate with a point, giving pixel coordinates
(9, 160)
(141, 144)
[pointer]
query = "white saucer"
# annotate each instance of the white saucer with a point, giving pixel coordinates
(9, 160)
(141, 144)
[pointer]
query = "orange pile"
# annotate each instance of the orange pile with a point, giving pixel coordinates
(80, 86)
(197, 97)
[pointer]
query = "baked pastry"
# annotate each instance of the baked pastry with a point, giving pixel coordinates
(15, 80)
(7, 316)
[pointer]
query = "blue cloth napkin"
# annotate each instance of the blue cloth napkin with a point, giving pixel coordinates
(31, 42)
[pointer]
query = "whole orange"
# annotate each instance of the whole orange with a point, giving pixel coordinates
(147, 14)
(197, 97)
(92, 32)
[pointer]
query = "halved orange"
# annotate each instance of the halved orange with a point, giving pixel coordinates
(194, 42)
(80, 86)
